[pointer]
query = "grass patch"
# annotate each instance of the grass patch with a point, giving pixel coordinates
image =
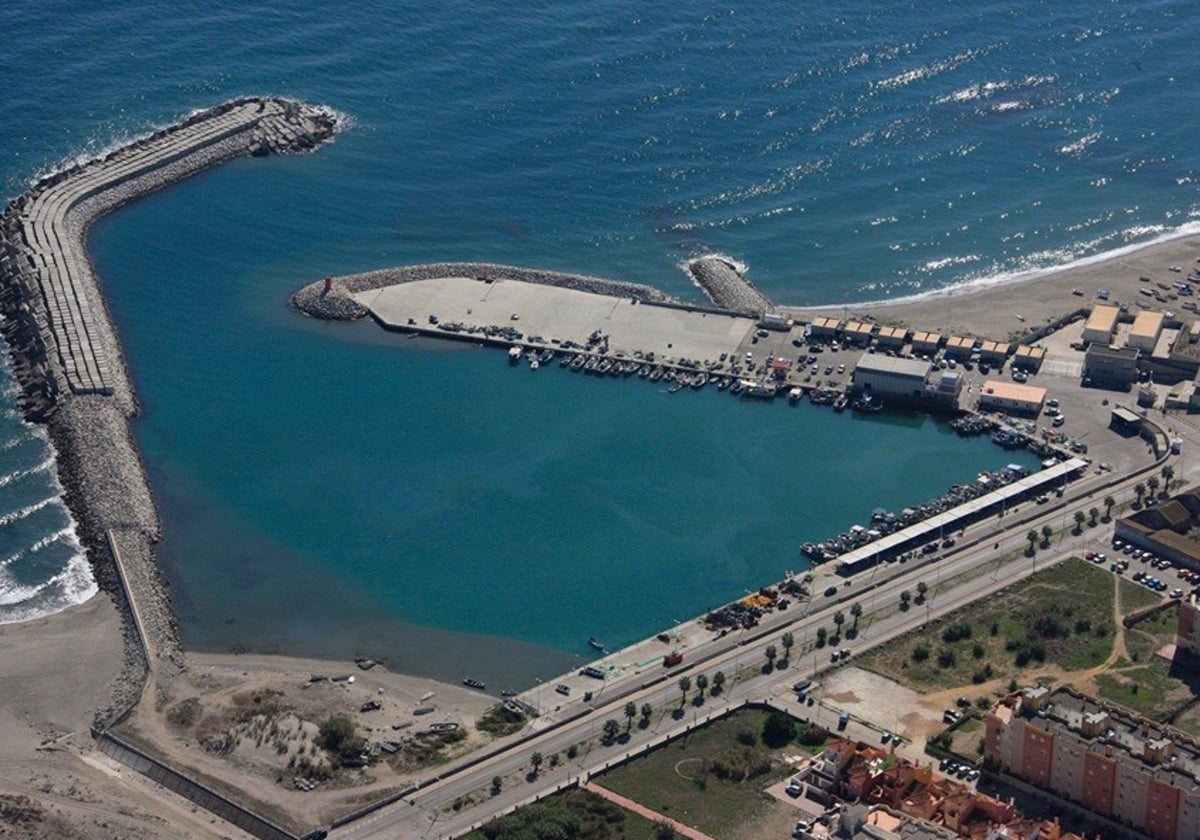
(1134, 597)
(1150, 690)
(1061, 615)
(1147, 636)
(712, 779)
(573, 813)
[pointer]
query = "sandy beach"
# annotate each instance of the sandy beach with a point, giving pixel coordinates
(58, 671)
(1009, 310)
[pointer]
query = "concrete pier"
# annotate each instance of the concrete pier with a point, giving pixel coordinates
(68, 361)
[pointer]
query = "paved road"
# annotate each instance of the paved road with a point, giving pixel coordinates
(969, 574)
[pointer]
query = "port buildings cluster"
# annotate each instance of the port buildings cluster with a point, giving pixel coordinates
(68, 361)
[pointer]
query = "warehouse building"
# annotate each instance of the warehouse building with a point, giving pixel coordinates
(1145, 331)
(1011, 397)
(1101, 324)
(891, 376)
(1104, 367)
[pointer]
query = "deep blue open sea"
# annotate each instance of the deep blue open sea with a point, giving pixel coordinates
(327, 489)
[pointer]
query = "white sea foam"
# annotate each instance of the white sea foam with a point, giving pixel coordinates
(1044, 263)
(65, 534)
(73, 585)
(925, 71)
(28, 510)
(1075, 149)
(17, 475)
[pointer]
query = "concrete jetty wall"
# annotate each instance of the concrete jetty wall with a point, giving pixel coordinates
(330, 299)
(67, 358)
(727, 287)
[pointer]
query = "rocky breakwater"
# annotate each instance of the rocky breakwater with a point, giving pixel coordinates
(67, 357)
(332, 297)
(727, 287)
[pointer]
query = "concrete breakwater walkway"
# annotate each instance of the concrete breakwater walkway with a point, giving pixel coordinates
(334, 298)
(67, 358)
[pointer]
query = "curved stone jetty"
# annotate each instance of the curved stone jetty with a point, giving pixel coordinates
(727, 287)
(68, 361)
(332, 298)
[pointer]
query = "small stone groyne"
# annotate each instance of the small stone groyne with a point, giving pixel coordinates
(330, 299)
(727, 287)
(67, 358)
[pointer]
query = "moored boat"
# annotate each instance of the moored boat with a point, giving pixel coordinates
(595, 643)
(470, 682)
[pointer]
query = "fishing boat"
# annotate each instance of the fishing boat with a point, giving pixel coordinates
(596, 643)
(675, 388)
(578, 362)
(473, 683)
(514, 354)
(839, 404)
(866, 405)
(794, 395)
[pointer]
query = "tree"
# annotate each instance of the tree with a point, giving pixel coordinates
(647, 711)
(1139, 490)
(1079, 520)
(922, 588)
(701, 684)
(497, 784)
(856, 611)
(787, 640)
(1109, 504)
(905, 597)
(778, 729)
(718, 682)
(685, 685)
(1168, 475)
(822, 634)
(630, 714)
(1093, 516)
(770, 653)
(611, 728)
(838, 620)
(1047, 533)
(1032, 537)
(1152, 483)
(535, 761)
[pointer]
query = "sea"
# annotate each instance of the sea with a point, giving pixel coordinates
(331, 490)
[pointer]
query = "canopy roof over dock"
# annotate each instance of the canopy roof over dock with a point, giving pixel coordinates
(943, 523)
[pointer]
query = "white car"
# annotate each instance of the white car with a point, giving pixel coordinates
(1059, 419)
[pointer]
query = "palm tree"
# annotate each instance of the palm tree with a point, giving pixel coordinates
(1032, 537)
(1047, 533)
(922, 588)
(647, 711)
(822, 633)
(1079, 520)
(630, 714)
(535, 761)
(1109, 504)
(1168, 474)
(905, 597)
(787, 640)
(1093, 516)
(856, 611)
(838, 620)
(1153, 484)
(718, 682)
(770, 653)
(611, 728)
(685, 685)
(701, 684)
(1139, 490)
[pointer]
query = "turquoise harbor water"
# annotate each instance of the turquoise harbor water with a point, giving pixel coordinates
(326, 487)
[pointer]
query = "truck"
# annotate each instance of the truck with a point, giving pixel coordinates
(672, 659)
